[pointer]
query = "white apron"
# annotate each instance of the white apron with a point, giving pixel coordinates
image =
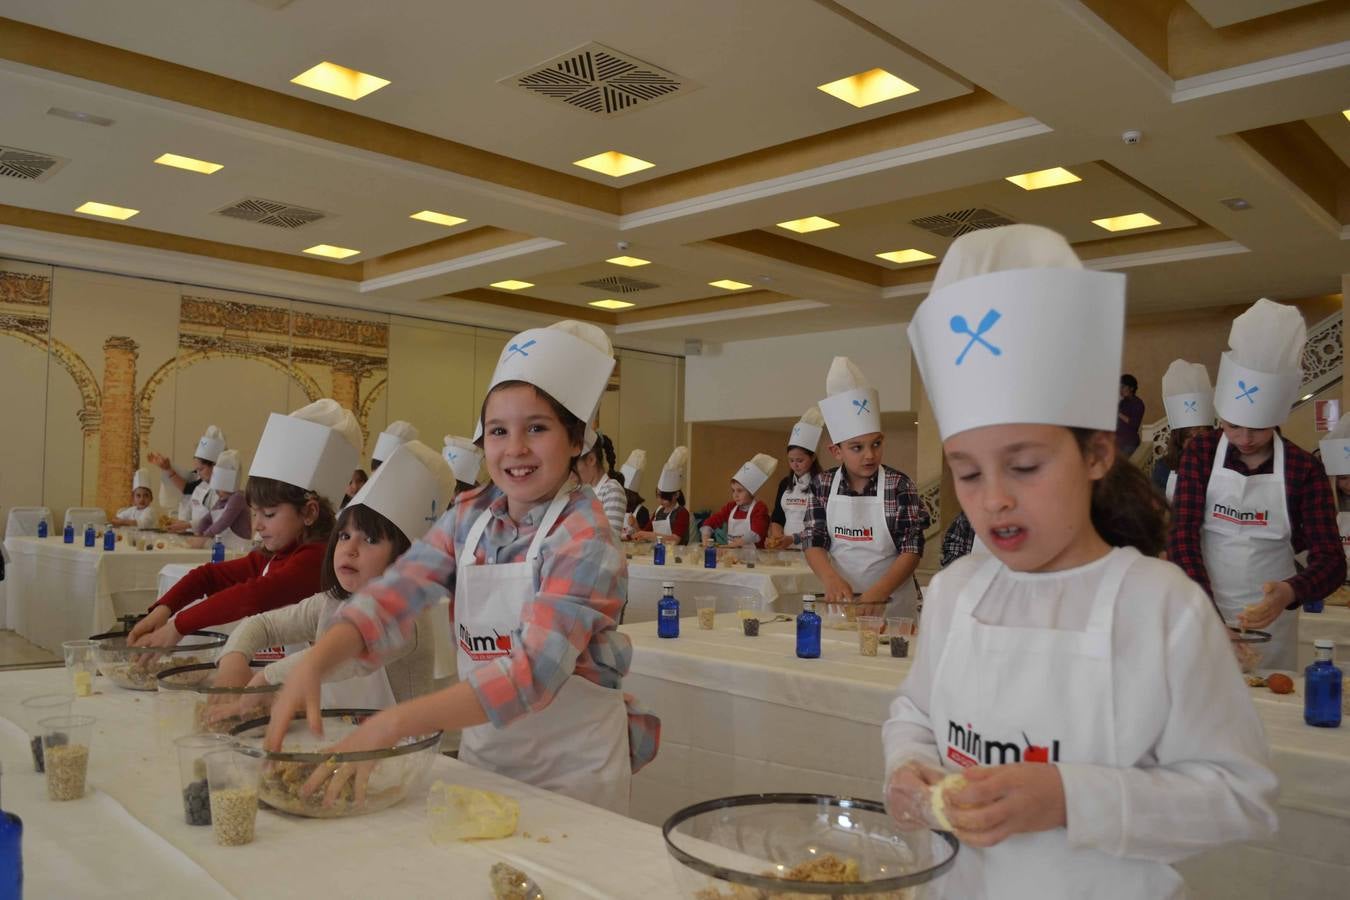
(1016, 694)
(578, 744)
(1245, 540)
(234, 543)
(1171, 486)
(201, 502)
(740, 528)
(661, 522)
(861, 548)
(794, 502)
(361, 692)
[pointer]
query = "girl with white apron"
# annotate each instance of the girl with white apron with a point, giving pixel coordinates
(861, 547)
(670, 496)
(795, 500)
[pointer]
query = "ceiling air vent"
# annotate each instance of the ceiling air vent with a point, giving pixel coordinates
(600, 81)
(962, 221)
(619, 283)
(271, 212)
(26, 165)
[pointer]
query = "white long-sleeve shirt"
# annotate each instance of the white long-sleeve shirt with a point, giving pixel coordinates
(1194, 767)
(615, 501)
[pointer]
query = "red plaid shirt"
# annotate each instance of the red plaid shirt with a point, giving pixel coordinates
(1312, 514)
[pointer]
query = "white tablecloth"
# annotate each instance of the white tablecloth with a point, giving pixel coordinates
(778, 587)
(128, 838)
(64, 592)
(1333, 623)
(744, 715)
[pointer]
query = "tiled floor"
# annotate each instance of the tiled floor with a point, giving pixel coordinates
(16, 651)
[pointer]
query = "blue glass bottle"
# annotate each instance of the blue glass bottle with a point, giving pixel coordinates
(710, 556)
(659, 554)
(1322, 688)
(218, 551)
(11, 856)
(1315, 606)
(668, 612)
(109, 539)
(42, 527)
(90, 535)
(808, 629)
(68, 535)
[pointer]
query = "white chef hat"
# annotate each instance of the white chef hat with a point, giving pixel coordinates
(464, 457)
(225, 476)
(1187, 395)
(806, 433)
(853, 406)
(144, 477)
(211, 445)
(1016, 331)
(673, 472)
(410, 488)
(755, 472)
(1336, 448)
(316, 448)
(569, 360)
(1260, 376)
(632, 468)
(395, 433)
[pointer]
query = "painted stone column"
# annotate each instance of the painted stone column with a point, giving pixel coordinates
(345, 387)
(119, 440)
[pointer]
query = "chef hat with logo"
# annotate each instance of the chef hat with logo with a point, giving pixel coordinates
(316, 448)
(569, 360)
(211, 445)
(632, 468)
(1336, 448)
(853, 406)
(1187, 395)
(411, 488)
(225, 476)
(1260, 376)
(464, 457)
(395, 433)
(754, 473)
(806, 433)
(673, 472)
(1016, 331)
(144, 477)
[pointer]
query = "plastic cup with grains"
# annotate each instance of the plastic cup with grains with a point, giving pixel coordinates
(707, 612)
(869, 634)
(192, 751)
(901, 632)
(35, 709)
(232, 779)
(81, 665)
(747, 608)
(65, 753)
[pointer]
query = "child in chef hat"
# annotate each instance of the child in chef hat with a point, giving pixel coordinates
(1189, 401)
(536, 581)
(396, 433)
(465, 459)
(1085, 692)
(229, 519)
(787, 523)
(670, 522)
(636, 515)
(299, 470)
(745, 518)
(143, 511)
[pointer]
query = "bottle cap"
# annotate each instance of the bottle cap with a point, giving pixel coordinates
(668, 585)
(1324, 644)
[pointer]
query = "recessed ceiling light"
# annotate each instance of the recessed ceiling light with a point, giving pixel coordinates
(612, 304)
(107, 210)
(613, 163)
(906, 256)
(77, 116)
(1237, 204)
(629, 261)
(339, 80)
(1045, 178)
(332, 252)
(437, 218)
(729, 285)
(1125, 223)
(187, 162)
(866, 88)
(511, 284)
(1346, 113)
(810, 223)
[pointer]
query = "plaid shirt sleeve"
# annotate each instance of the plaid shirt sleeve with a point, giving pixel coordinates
(905, 512)
(957, 540)
(1188, 507)
(1312, 510)
(815, 532)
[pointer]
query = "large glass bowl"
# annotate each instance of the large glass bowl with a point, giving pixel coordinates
(138, 668)
(188, 702)
(1248, 647)
(758, 846)
(392, 774)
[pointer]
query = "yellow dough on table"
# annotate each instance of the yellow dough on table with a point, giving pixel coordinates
(937, 798)
(465, 814)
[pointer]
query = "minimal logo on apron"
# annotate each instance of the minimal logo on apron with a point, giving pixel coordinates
(863, 535)
(1246, 392)
(967, 747)
(270, 654)
(481, 647)
(1241, 517)
(960, 326)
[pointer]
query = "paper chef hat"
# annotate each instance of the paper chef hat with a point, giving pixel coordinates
(144, 478)
(396, 433)
(210, 446)
(806, 433)
(568, 360)
(225, 476)
(754, 473)
(464, 458)
(1187, 396)
(632, 468)
(315, 448)
(672, 473)
(1336, 449)
(1260, 377)
(853, 406)
(1016, 331)
(410, 488)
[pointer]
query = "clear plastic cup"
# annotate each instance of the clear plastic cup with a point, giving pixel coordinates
(869, 634)
(232, 778)
(192, 752)
(35, 709)
(748, 610)
(707, 612)
(81, 665)
(65, 752)
(901, 631)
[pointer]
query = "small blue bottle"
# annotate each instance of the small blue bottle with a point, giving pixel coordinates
(109, 539)
(11, 856)
(1322, 688)
(218, 551)
(90, 535)
(808, 629)
(659, 554)
(42, 527)
(668, 612)
(1315, 606)
(710, 556)
(68, 535)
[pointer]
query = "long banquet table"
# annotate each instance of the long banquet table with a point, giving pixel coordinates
(778, 586)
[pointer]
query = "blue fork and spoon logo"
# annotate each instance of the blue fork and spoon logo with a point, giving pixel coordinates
(959, 325)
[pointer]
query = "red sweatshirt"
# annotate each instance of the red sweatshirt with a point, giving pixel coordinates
(759, 519)
(239, 588)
